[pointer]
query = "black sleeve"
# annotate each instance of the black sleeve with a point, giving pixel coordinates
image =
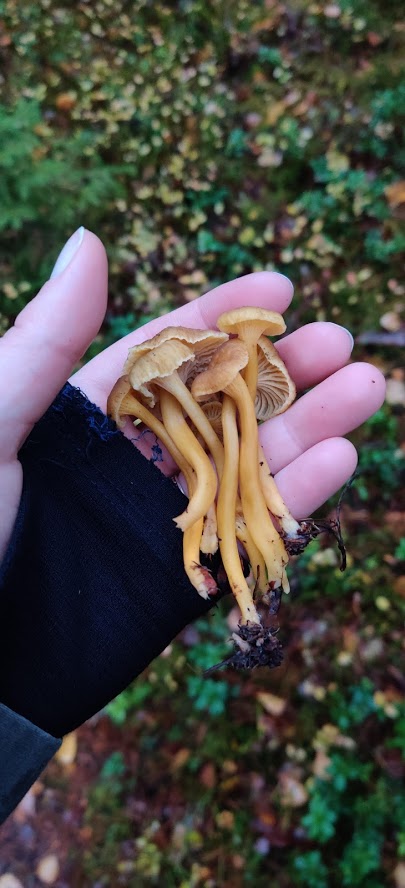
(92, 587)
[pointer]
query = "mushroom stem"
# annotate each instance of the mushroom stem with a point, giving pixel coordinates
(250, 373)
(209, 539)
(198, 575)
(255, 557)
(205, 488)
(131, 406)
(274, 500)
(255, 510)
(226, 516)
(176, 387)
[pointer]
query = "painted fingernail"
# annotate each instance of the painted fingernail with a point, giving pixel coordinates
(69, 250)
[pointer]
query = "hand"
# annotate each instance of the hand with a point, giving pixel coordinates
(304, 446)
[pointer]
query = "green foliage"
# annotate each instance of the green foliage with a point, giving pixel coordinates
(400, 550)
(208, 695)
(310, 871)
(381, 461)
(320, 820)
(127, 701)
(351, 708)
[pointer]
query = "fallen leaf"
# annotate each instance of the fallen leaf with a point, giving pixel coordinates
(395, 193)
(66, 753)
(271, 704)
(395, 393)
(10, 881)
(321, 764)
(225, 819)
(208, 776)
(179, 759)
(292, 791)
(332, 11)
(373, 39)
(48, 869)
(65, 101)
(399, 875)
(391, 321)
(399, 586)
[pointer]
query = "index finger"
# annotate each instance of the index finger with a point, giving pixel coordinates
(267, 289)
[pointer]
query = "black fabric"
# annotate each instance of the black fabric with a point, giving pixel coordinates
(25, 750)
(92, 587)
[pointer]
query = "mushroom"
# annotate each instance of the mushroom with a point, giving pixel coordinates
(249, 324)
(223, 375)
(157, 369)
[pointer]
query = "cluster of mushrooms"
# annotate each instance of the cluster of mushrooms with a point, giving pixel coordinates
(203, 393)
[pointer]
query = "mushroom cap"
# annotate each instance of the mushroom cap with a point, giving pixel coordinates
(241, 321)
(155, 365)
(225, 365)
(275, 388)
(202, 342)
(121, 388)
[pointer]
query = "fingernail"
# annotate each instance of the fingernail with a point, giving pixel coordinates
(182, 486)
(348, 333)
(69, 250)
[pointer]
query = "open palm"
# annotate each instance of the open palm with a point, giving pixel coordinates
(304, 446)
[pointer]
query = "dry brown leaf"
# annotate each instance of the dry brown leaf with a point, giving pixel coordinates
(395, 193)
(65, 101)
(208, 776)
(399, 586)
(179, 759)
(225, 819)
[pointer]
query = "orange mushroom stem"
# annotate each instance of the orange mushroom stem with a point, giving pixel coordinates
(223, 374)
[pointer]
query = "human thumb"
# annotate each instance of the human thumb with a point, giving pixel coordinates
(52, 332)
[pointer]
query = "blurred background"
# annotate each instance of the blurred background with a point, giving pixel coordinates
(202, 140)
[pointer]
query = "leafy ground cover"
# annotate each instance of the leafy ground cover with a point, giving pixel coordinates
(203, 140)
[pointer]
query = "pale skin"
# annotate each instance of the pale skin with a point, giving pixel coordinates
(305, 446)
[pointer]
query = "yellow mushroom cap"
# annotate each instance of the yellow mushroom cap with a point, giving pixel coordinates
(251, 322)
(275, 388)
(226, 363)
(202, 342)
(155, 365)
(121, 388)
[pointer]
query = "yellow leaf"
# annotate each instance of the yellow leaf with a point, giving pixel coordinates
(66, 754)
(272, 704)
(48, 869)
